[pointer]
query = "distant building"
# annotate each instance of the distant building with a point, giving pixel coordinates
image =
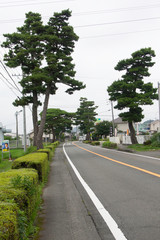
(121, 126)
(143, 127)
(155, 126)
(2, 131)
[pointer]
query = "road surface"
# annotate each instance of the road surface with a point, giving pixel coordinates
(127, 185)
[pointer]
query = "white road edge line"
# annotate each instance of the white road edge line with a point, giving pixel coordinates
(133, 154)
(117, 233)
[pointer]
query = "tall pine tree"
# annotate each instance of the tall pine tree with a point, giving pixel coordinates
(130, 92)
(44, 54)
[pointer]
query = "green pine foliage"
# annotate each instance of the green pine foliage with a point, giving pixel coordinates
(85, 117)
(131, 92)
(58, 121)
(33, 44)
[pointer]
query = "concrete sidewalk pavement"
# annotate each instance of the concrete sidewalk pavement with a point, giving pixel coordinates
(150, 153)
(64, 215)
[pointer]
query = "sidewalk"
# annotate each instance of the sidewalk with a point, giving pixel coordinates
(64, 216)
(152, 153)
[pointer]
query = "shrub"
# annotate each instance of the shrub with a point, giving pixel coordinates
(6, 176)
(155, 144)
(36, 161)
(55, 144)
(87, 141)
(9, 221)
(31, 149)
(155, 138)
(48, 151)
(109, 145)
(95, 143)
(20, 186)
(18, 196)
(148, 142)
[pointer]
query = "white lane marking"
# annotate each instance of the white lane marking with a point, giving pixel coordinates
(117, 233)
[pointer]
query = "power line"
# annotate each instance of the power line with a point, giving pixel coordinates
(8, 81)
(117, 10)
(118, 34)
(38, 3)
(118, 22)
(91, 12)
(10, 76)
(9, 87)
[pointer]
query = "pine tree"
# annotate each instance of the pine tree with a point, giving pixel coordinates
(131, 92)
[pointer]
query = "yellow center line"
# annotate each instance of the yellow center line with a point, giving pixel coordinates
(122, 163)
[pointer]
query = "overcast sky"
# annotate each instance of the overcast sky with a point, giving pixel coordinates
(108, 31)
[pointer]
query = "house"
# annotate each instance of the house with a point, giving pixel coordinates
(155, 126)
(121, 126)
(46, 137)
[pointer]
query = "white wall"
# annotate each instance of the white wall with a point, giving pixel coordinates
(127, 139)
(114, 140)
(140, 138)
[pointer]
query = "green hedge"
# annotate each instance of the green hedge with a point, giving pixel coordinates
(95, 143)
(5, 177)
(9, 221)
(109, 144)
(55, 144)
(19, 196)
(36, 161)
(20, 193)
(16, 186)
(48, 151)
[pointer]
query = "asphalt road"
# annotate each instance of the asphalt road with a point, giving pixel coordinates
(126, 184)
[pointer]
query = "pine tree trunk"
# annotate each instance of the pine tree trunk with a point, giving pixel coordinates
(43, 119)
(54, 137)
(133, 134)
(35, 118)
(88, 136)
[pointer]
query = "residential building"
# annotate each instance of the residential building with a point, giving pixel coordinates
(155, 126)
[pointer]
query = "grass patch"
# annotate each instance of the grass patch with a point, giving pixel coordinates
(141, 147)
(5, 165)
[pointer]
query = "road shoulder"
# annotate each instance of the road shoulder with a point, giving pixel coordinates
(64, 215)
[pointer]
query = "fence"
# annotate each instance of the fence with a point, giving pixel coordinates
(127, 139)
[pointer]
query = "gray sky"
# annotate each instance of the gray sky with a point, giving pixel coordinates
(109, 31)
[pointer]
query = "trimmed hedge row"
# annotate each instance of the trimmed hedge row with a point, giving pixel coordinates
(14, 198)
(19, 189)
(109, 144)
(8, 221)
(36, 161)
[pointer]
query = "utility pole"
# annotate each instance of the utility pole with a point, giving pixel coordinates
(113, 119)
(16, 114)
(24, 128)
(24, 121)
(159, 104)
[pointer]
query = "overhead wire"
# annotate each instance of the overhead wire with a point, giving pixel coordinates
(28, 4)
(92, 12)
(8, 81)
(13, 71)
(117, 10)
(8, 86)
(117, 22)
(9, 75)
(118, 34)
